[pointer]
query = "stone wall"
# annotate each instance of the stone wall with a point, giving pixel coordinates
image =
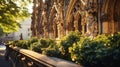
(56, 18)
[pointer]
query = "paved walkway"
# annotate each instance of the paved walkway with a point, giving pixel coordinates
(3, 62)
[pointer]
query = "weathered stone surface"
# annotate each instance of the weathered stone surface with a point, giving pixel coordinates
(56, 18)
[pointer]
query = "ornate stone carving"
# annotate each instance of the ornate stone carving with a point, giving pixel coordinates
(62, 16)
(59, 18)
(91, 24)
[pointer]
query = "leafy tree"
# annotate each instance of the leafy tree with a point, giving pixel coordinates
(11, 13)
(1, 32)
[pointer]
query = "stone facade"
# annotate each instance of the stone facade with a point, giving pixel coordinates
(56, 18)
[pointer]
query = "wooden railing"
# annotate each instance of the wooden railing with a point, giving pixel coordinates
(27, 58)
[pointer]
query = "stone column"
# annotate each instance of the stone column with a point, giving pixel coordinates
(54, 30)
(76, 25)
(59, 16)
(33, 23)
(58, 28)
(83, 28)
(67, 28)
(91, 24)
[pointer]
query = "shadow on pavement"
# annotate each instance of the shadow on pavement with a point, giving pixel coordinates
(3, 62)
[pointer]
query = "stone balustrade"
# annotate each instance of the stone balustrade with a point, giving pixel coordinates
(27, 58)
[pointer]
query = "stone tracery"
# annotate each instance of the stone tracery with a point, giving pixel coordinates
(87, 16)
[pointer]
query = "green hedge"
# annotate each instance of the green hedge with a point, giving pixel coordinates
(101, 51)
(67, 42)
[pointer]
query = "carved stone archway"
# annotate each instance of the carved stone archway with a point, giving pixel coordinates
(77, 21)
(56, 19)
(52, 21)
(69, 16)
(70, 23)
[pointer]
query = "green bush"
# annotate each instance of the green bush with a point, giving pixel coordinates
(23, 44)
(98, 52)
(13, 43)
(36, 47)
(20, 43)
(67, 42)
(51, 49)
(75, 49)
(101, 51)
(44, 43)
(45, 46)
(32, 40)
(114, 39)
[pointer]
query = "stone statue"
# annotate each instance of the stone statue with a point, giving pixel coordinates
(91, 22)
(21, 36)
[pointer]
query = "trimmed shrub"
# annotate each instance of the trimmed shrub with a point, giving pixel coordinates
(51, 49)
(67, 42)
(98, 52)
(23, 44)
(36, 47)
(44, 43)
(102, 51)
(33, 40)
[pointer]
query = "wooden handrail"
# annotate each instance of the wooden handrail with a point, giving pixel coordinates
(28, 58)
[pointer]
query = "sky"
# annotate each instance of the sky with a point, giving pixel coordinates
(30, 8)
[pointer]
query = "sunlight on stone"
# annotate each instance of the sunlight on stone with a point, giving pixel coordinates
(43, 1)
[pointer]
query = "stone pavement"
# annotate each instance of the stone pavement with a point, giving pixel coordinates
(3, 62)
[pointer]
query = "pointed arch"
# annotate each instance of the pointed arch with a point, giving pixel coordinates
(52, 14)
(77, 15)
(77, 21)
(52, 22)
(70, 8)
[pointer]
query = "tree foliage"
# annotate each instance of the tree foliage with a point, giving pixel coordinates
(11, 13)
